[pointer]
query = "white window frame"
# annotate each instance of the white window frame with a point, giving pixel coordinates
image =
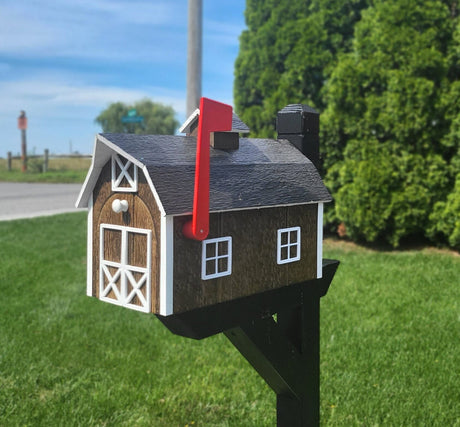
(288, 245)
(216, 257)
(125, 271)
(124, 168)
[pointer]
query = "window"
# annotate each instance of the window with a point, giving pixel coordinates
(125, 258)
(124, 175)
(288, 245)
(216, 260)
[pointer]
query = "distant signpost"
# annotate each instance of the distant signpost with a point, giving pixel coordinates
(22, 125)
(132, 117)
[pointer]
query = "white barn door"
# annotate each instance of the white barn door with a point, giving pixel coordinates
(125, 266)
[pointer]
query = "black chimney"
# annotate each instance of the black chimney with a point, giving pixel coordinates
(299, 124)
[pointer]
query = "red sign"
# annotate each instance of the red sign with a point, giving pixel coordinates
(22, 123)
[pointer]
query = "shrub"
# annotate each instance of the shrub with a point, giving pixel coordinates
(445, 218)
(385, 195)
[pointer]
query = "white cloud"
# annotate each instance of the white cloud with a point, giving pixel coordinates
(101, 29)
(51, 96)
(136, 12)
(20, 33)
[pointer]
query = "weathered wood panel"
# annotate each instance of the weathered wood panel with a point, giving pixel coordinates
(254, 255)
(306, 217)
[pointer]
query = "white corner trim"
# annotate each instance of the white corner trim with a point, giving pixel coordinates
(319, 251)
(166, 265)
(89, 249)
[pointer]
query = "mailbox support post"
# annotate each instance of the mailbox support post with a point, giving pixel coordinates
(285, 353)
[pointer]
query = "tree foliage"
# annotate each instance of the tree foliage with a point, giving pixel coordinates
(158, 118)
(287, 53)
(385, 75)
(445, 217)
(390, 97)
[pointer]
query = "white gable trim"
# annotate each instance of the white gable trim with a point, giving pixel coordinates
(319, 236)
(102, 153)
(166, 265)
(118, 150)
(185, 128)
(88, 185)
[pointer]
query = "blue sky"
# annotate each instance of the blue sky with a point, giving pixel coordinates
(63, 62)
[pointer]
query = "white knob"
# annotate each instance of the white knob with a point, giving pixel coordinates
(119, 205)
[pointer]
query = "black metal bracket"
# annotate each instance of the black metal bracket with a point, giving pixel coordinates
(285, 351)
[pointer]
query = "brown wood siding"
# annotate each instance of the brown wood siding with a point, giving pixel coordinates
(143, 212)
(254, 262)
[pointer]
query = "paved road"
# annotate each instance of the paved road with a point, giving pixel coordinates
(24, 200)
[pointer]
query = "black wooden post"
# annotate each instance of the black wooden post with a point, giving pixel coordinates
(10, 161)
(286, 354)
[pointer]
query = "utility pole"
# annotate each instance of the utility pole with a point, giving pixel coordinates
(194, 54)
(22, 125)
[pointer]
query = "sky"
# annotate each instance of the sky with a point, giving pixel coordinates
(63, 62)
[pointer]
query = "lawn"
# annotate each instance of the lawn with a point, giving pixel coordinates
(390, 334)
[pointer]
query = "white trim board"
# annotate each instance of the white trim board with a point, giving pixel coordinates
(166, 265)
(319, 244)
(89, 249)
(252, 208)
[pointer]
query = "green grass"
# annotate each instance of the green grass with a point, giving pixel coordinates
(391, 339)
(390, 332)
(51, 176)
(60, 170)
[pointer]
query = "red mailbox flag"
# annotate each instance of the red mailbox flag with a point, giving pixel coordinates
(214, 117)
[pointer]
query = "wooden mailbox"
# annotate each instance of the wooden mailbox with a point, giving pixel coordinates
(214, 232)
(265, 220)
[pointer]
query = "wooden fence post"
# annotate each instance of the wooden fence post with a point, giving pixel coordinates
(9, 161)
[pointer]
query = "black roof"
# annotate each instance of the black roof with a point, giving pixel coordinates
(261, 173)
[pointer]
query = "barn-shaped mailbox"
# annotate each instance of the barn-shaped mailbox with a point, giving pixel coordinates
(265, 215)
